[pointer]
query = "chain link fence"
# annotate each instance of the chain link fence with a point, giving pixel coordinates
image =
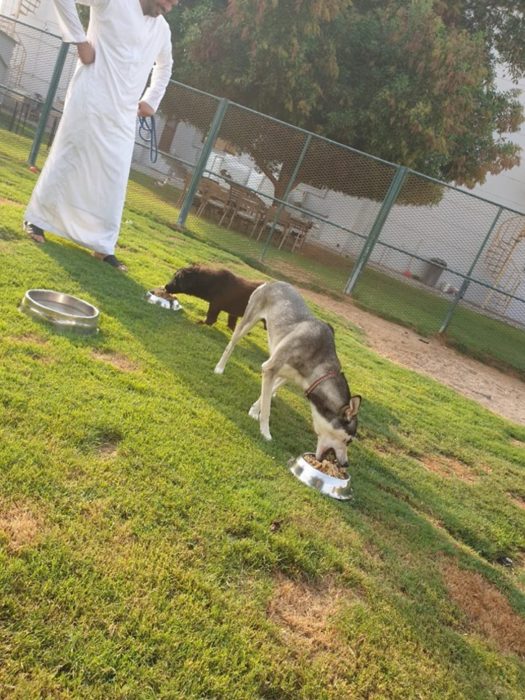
(414, 249)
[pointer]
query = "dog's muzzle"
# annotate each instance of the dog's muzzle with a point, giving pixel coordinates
(330, 454)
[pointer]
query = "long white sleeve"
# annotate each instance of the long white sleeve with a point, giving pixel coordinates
(160, 75)
(68, 19)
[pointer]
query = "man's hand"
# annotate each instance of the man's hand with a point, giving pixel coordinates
(86, 52)
(145, 110)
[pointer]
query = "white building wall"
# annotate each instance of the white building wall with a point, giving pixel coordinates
(10, 7)
(508, 189)
(35, 56)
(6, 51)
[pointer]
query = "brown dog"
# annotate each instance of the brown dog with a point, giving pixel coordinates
(224, 290)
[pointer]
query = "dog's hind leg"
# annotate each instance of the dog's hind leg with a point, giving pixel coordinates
(255, 409)
(250, 318)
(241, 330)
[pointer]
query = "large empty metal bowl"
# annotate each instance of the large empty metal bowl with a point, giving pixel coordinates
(327, 485)
(62, 310)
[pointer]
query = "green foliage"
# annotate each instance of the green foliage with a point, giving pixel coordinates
(412, 83)
(500, 22)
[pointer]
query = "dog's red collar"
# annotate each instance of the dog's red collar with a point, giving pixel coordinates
(314, 385)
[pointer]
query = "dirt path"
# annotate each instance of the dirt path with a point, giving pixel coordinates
(497, 391)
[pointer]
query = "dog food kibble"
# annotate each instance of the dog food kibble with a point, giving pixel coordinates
(161, 292)
(329, 465)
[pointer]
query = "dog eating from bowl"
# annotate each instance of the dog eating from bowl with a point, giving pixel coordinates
(302, 350)
(221, 288)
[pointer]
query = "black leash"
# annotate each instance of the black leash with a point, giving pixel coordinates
(148, 133)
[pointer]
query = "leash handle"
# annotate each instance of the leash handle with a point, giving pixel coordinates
(148, 133)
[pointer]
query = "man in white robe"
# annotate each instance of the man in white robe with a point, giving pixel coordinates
(81, 190)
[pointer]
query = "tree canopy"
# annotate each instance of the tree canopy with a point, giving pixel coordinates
(409, 82)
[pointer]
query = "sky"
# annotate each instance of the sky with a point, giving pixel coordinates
(508, 188)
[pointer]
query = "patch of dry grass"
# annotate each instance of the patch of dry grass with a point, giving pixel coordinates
(116, 360)
(448, 467)
(517, 499)
(486, 609)
(303, 613)
(20, 525)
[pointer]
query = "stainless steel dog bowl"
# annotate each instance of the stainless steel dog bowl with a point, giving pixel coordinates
(327, 485)
(172, 304)
(62, 310)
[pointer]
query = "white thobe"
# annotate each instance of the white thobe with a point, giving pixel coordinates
(81, 190)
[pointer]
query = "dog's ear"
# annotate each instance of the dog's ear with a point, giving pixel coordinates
(351, 410)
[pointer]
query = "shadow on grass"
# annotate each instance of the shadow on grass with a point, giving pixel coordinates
(397, 520)
(179, 344)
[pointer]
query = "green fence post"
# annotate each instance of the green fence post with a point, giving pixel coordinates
(200, 166)
(467, 280)
(289, 186)
(377, 227)
(48, 104)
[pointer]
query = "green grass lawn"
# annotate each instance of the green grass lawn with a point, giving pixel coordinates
(152, 545)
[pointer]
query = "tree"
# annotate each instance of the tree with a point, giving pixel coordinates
(412, 83)
(501, 23)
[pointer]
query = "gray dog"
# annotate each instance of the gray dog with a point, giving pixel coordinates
(302, 349)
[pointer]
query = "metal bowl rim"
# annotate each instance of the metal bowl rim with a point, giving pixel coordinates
(330, 480)
(32, 300)
(152, 295)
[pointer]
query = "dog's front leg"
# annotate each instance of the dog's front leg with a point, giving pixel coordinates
(265, 400)
(232, 321)
(212, 315)
(255, 409)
